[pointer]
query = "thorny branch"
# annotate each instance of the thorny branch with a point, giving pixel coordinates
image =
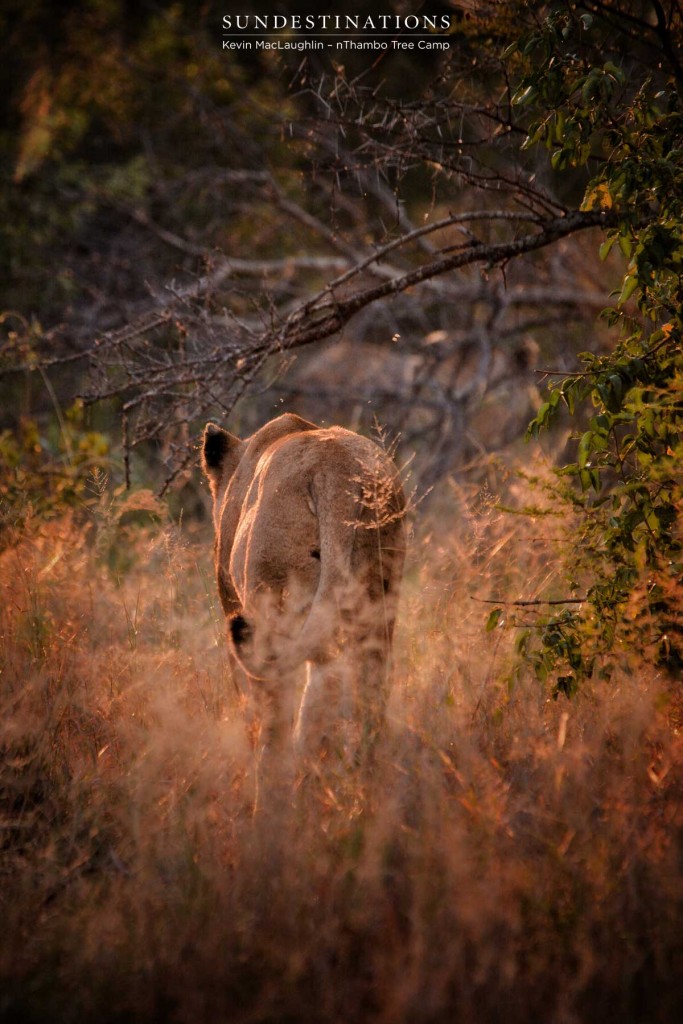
(183, 359)
(201, 344)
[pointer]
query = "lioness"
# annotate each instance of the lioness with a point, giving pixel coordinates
(310, 545)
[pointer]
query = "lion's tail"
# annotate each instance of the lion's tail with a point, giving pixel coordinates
(337, 511)
(339, 597)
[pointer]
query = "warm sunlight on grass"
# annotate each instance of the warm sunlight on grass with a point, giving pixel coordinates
(513, 857)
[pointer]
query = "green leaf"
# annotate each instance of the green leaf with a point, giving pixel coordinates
(560, 120)
(585, 449)
(606, 248)
(614, 71)
(626, 246)
(569, 395)
(559, 158)
(522, 642)
(652, 520)
(493, 619)
(617, 385)
(627, 289)
(523, 95)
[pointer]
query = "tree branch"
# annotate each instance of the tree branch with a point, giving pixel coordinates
(296, 332)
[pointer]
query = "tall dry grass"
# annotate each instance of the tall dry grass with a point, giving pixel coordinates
(512, 858)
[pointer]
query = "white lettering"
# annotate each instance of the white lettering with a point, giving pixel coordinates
(352, 44)
(348, 22)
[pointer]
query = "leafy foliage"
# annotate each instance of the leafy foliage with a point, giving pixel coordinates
(624, 122)
(45, 473)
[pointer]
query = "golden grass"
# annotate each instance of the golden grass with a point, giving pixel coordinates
(512, 858)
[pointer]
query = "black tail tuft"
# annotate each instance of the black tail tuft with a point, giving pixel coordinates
(240, 630)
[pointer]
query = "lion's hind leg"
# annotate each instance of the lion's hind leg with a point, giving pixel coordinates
(325, 710)
(274, 702)
(342, 712)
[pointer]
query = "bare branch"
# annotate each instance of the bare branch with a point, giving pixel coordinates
(298, 331)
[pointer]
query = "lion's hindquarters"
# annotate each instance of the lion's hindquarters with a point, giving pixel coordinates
(315, 562)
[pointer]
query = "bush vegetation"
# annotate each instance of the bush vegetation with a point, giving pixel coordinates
(513, 857)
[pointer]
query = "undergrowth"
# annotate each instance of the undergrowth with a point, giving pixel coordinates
(514, 857)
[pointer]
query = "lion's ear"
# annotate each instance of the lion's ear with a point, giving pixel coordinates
(220, 455)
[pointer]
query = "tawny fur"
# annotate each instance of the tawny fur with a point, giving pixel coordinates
(310, 545)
